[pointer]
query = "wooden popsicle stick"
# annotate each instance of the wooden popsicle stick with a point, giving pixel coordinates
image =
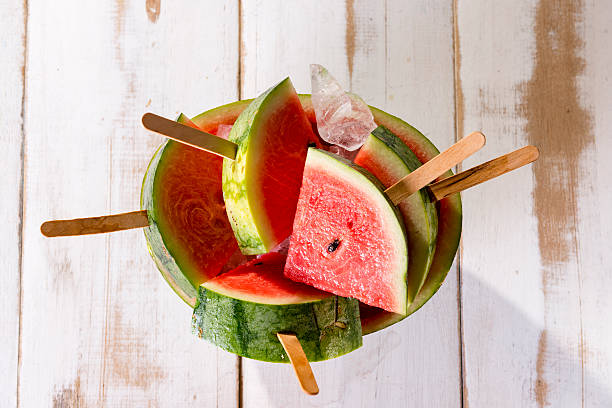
(434, 168)
(95, 225)
(300, 363)
(483, 172)
(190, 136)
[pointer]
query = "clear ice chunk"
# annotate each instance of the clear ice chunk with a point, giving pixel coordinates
(342, 119)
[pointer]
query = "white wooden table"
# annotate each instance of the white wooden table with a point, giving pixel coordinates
(524, 317)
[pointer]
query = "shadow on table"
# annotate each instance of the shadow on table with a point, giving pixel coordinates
(403, 364)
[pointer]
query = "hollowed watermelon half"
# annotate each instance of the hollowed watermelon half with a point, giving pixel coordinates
(261, 186)
(189, 236)
(448, 209)
(242, 310)
(389, 159)
(348, 237)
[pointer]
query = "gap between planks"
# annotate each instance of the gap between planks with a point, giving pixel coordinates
(22, 195)
(239, 84)
(458, 99)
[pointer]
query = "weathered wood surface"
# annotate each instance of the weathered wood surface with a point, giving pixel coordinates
(99, 324)
(534, 262)
(88, 321)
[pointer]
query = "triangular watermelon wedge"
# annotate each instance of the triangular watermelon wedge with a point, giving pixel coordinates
(389, 159)
(261, 186)
(348, 238)
(188, 236)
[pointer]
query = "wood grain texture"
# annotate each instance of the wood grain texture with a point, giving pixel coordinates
(524, 294)
(100, 325)
(12, 62)
(398, 58)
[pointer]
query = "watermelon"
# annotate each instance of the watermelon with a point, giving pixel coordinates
(389, 159)
(348, 238)
(261, 186)
(242, 310)
(448, 209)
(189, 236)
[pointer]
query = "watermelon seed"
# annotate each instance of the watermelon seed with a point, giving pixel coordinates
(333, 245)
(312, 144)
(258, 263)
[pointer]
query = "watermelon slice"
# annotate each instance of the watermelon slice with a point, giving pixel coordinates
(389, 159)
(242, 310)
(189, 236)
(348, 238)
(449, 227)
(261, 186)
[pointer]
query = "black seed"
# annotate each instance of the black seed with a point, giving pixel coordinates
(258, 263)
(312, 144)
(333, 245)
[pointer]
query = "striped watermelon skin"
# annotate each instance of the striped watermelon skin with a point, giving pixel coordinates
(327, 326)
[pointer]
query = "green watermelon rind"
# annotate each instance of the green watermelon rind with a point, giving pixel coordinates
(418, 211)
(326, 328)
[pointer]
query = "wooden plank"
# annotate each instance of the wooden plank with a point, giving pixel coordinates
(100, 325)
(12, 43)
(400, 59)
(534, 295)
(594, 230)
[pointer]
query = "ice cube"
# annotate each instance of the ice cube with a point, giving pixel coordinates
(224, 131)
(342, 119)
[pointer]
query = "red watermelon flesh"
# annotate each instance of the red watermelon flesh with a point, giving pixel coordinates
(261, 280)
(283, 166)
(347, 238)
